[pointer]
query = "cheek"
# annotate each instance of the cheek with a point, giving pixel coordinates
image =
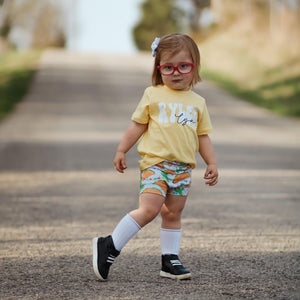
(188, 77)
(165, 79)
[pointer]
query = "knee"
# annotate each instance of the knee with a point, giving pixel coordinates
(150, 214)
(171, 215)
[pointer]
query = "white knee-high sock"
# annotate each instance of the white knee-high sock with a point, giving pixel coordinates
(170, 241)
(124, 231)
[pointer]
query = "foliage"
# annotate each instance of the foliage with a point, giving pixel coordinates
(16, 72)
(48, 31)
(195, 14)
(282, 97)
(158, 19)
(42, 20)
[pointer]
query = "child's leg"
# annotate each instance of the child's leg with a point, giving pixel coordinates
(124, 231)
(170, 235)
(105, 250)
(149, 207)
(171, 211)
(170, 238)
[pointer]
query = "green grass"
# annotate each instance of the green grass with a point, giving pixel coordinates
(281, 96)
(16, 72)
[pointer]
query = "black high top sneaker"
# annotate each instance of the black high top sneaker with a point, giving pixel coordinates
(104, 254)
(172, 268)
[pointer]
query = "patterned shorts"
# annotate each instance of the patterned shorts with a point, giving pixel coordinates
(166, 178)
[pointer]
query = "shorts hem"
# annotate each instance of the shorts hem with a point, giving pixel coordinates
(150, 191)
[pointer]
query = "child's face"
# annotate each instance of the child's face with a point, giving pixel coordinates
(177, 81)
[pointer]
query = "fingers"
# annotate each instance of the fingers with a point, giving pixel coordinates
(213, 181)
(120, 166)
(120, 163)
(123, 165)
(211, 175)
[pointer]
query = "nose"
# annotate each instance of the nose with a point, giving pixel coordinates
(176, 72)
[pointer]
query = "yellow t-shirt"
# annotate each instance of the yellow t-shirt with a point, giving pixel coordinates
(175, 119)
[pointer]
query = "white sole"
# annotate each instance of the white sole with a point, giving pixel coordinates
(95, 259)
(177, 277)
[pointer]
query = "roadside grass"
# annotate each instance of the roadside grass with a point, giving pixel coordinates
(254, 70)
(16, 72)
(282, 96)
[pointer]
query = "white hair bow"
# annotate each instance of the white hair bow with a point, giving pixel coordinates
(155, 45)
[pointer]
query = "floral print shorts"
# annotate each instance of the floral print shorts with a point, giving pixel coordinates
(167, 177)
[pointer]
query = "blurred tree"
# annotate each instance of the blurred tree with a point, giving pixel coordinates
(158, 18)
(278, 19)
(48, 30)
(41, 20)
(198, 6)
(5, 19)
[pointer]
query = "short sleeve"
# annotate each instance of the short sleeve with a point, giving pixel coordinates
(141, 113)
(204, 124)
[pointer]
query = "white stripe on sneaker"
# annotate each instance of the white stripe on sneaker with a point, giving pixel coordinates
(110, 259)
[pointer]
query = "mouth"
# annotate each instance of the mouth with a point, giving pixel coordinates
(176, 80)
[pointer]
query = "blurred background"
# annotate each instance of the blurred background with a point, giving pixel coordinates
(249, 47)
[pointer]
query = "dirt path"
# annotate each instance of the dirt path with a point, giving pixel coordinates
(58, 190)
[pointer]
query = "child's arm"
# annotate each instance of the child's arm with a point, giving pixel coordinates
(207, 152)
(130, 137)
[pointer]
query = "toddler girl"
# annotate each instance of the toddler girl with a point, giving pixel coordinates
(174, 123)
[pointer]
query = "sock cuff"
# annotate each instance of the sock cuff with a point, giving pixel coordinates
(170, 230)
(124, 231)
(133, 221)
(170, 241)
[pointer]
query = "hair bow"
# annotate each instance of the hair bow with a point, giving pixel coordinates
(155, 45)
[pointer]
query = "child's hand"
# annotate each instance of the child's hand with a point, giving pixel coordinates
(120, 162)
(211, 175)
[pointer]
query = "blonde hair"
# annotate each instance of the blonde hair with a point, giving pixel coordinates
(173, 44)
